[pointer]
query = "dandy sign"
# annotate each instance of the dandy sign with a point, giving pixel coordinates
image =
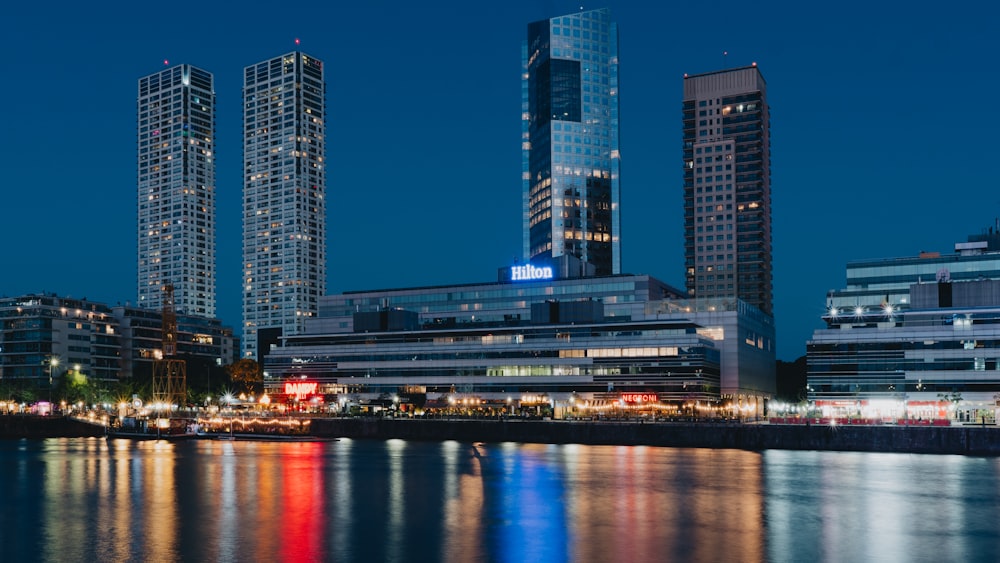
(529, 272)
(301, 389)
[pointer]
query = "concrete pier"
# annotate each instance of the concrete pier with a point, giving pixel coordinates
(962, 440)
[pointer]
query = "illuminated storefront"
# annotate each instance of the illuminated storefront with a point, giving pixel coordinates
(579, 342)
(912, 339)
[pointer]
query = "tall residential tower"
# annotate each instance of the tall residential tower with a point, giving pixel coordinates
(569, 140)
(284, 195)
(176, 189)
(727, 186)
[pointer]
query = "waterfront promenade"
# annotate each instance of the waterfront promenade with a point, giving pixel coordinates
(960, 440)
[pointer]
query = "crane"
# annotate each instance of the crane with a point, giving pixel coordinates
(169, 371)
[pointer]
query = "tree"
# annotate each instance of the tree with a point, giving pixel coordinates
(246, 375)
(791, 380)
(74, 387)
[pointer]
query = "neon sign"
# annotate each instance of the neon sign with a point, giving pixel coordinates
(529, 272)
(301, 389)
(640, 397)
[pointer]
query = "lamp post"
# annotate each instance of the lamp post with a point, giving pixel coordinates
(53, 362)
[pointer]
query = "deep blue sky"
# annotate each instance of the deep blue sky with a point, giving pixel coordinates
(884, 134)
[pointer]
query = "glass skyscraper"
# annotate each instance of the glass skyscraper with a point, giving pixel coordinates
(727, 186)
(284, 195)
(176, 189)
(569, 139)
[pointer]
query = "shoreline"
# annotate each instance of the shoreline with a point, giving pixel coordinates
(944, 440)
(948, 440)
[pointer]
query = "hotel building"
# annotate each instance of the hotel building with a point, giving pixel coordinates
(915, 337)
(284, 195)
(569, 140)
(727, 186)
(176, 189)
(572, 339)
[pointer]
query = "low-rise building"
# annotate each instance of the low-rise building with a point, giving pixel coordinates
(43, 336)
(913, 338)
(593, 340)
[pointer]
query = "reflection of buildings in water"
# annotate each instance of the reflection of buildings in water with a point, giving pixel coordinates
(463, 502)
(525, 485)
(222, 476)
(341, 501)
(91, 487)
(730, 502)
(634, 509)
(861, 506)
(155, 476)
(618, 517)
(120, 503)
(302, 518)
(69, 515)
(396, 517)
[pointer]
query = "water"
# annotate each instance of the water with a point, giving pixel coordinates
(352, 500)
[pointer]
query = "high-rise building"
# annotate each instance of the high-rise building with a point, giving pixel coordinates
(727, 186)
(284, 195)
(569, 139)
(176, 189)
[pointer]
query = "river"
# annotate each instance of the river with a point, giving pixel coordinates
(94, 500)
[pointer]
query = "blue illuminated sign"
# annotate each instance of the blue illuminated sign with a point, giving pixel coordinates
(528, 272)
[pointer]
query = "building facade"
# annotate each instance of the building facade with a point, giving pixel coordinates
(44, 336)
(202, 342)
(727, 186)
(913, 338)
(284, 195)
(569, 138)
(176, 189)
(590, 338)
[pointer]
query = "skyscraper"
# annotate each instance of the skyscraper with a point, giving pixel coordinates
(569, 140)
(176, 189)
(727, 186)
(284, 195)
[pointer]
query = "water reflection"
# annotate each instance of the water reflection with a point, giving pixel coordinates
(92, 500)
(881, 507)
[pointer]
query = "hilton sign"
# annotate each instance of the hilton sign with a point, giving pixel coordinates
(528, 272)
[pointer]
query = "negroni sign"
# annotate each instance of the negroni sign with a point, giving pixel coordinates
(301, 389)
(640, 397)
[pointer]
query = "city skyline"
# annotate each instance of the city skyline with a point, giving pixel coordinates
(869, 112)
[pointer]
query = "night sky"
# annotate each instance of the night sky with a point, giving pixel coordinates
(884, 140)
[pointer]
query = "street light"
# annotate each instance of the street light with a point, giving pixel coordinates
(53, 362)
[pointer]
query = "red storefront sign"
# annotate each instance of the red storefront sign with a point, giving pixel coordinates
(640, 397)
(301, 389)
